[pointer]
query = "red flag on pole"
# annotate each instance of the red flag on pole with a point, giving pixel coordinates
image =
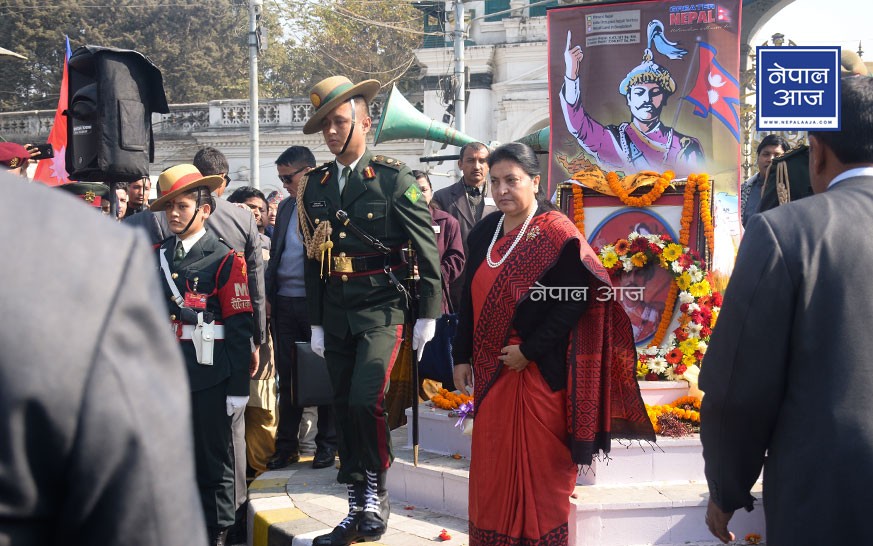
(716, 91)
(53, 172)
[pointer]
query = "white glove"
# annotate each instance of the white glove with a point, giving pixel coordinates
(317, 341)
(235, 403)
(424, 330)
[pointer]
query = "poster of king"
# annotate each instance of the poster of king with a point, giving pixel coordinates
(644, 106)
(645, 86)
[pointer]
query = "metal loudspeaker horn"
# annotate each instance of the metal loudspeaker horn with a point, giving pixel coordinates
(401, 120)
(538, 140)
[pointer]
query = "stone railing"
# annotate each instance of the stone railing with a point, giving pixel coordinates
(185, 119)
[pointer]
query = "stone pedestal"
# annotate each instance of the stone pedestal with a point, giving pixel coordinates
(657, 393)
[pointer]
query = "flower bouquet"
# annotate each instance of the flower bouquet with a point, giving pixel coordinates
(680, 354)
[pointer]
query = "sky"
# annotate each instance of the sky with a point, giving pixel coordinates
(823, 22)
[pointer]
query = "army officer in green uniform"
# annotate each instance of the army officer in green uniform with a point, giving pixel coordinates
(355, 306)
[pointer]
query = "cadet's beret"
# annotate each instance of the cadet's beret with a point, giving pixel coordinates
(12, 155)
(90, 192)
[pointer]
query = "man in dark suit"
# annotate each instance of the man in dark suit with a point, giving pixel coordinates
(355, 307)
(286, 299)
(788, 374)
(468, 200)
(95, 416)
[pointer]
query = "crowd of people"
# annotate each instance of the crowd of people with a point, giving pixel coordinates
(243, 281)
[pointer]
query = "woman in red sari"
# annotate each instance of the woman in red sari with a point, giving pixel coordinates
(553, 359)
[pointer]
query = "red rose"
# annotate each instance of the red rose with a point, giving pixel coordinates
(652, 376)
(716, 299)
(680, 369)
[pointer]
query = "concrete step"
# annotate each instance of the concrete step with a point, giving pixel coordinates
(662, 514)
(610, 510)
(628, 463)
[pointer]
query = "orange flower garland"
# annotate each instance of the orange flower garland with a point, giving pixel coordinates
(686, 408)
(661, 183)
(578, 209)
(449, 400)
(666, 317)
(695, 183)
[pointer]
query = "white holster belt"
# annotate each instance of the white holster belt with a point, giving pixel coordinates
(188, 329)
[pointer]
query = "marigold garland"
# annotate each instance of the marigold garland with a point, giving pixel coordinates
(621, 258)
(449, 400)
(662, 181)
(698, 304)
(686, 409)
(578, 209)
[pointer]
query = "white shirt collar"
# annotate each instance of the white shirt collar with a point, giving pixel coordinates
(188, 243)
(340, 166)
(851, 173)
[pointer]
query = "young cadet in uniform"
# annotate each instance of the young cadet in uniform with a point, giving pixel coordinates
(355, 307)
(211, 313)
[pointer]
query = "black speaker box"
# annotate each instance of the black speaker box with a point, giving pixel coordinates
(112, 94)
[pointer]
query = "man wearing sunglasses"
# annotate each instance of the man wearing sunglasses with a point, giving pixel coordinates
(286, 300)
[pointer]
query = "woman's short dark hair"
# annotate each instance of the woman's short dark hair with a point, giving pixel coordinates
(519, 153)
(523, 156)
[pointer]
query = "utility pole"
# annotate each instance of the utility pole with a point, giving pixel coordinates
(254, 15)
(460, 83)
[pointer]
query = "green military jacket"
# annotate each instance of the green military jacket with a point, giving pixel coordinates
(382, 198)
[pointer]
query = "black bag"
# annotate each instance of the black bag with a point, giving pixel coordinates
(312, 386)
(113, 93)
(436, 362)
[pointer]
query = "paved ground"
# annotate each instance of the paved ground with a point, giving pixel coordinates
(290, 507)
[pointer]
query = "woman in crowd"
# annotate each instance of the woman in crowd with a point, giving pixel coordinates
(553, 368)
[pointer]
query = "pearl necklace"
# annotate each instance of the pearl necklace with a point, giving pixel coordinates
(492, 264)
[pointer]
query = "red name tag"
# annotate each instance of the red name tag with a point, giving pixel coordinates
(195, 301)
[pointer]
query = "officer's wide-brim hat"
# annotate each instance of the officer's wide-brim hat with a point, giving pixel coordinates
(331, 92)
(180, 179)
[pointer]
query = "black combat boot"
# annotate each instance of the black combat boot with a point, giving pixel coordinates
(217, 536)
(374, 519)
(347, 531)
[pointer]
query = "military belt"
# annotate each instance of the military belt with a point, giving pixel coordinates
(370, 263)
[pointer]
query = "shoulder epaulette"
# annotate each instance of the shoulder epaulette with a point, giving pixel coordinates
(387, 161)
(321, 168)
(225, 243)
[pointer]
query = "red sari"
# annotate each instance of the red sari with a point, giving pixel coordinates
(528, 439)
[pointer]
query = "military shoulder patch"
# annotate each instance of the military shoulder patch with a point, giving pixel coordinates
(413, 193)
(387, 162)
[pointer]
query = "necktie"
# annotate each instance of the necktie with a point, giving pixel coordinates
(347, 172)
(474, 191)
(179, 254)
